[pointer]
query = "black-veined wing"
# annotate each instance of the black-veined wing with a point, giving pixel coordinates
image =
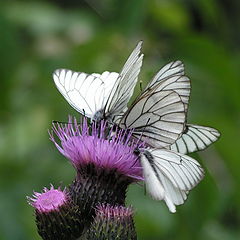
(157, 117)
(86, 93)
(123, 89)
(172, 77)
(195, 138)
(169, 176)
(100, 96)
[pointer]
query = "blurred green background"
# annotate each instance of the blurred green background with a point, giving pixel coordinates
(37, 37)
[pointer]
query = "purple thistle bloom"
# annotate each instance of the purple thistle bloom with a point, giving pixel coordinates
(49, 200)
(98, 145)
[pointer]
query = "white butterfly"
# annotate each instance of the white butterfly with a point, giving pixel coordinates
(100, 96)
(169, 176)
(194, 137)
(158, 115)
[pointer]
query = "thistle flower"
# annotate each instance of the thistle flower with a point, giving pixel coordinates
(104, 161)
(97, 145)
(57, 217)
(112, 222)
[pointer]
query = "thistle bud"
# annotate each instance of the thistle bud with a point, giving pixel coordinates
(57, 217)
(112, 223)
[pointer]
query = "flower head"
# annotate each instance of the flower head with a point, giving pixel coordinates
(49, 200)
(98, 145)
(57, 217)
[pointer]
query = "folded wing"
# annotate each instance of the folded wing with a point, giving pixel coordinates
(123, 89)
(195, 138)
(172, 77)
(86, 93)
(157, 117)
(169, 176)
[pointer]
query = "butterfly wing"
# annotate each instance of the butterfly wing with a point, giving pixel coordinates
(157, 117)
(99, 96)
(170, 69)
(169, 176)
(195, 138)
(123, 89)
(172, 77)
(86, 93)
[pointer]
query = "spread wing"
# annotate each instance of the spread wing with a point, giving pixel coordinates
(195, 138)
(169, 176)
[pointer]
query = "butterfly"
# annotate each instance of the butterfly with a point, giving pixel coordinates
(158, 114)
(193, 137)
(169, 175)
(100, 96)
(158, 117)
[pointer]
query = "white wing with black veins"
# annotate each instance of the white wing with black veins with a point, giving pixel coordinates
(195, 138)
(86, 93)
(169, 176)
(157, 117)
(107, 93)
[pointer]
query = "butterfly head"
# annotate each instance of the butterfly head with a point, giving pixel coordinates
(140, 149)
